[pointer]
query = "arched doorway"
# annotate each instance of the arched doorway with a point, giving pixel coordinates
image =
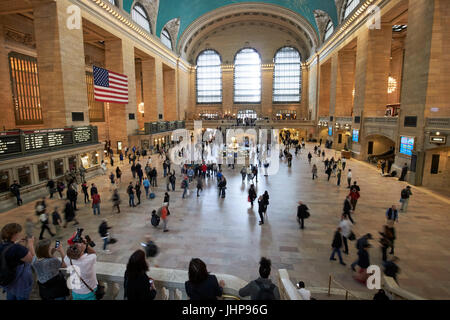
(378, 148)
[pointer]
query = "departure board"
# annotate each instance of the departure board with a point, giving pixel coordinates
(82, 135)
(10, 142)
(42, 139)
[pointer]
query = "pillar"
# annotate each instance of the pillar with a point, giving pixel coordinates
(149, 84)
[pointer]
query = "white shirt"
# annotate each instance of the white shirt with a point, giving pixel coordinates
(306, 294)
(346, 228)
(344, 160)
(349, 175)
(86, 265)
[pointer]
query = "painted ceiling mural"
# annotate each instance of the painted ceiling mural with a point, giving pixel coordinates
(190, 10)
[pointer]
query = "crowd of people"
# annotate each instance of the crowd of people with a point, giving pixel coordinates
(23, 255)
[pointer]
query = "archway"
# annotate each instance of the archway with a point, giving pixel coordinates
(378, 148)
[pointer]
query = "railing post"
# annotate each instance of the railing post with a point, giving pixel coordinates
(329, 285)
(346, 295)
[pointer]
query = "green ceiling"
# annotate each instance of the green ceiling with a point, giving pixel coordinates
(189, 10)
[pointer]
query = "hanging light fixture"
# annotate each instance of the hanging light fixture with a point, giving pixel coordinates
(141, 107)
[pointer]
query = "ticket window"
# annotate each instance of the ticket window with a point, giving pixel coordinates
(59, 167)
(94, 158)
(24, 176)
(4, 181)
(72, 163)
(42, 171)
(85, 160)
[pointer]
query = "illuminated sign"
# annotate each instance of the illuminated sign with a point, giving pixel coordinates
(330, 130)
(438, 139)
(406, 145)
(355, 136)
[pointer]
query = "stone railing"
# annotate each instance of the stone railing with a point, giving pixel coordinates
(391, 121)
(168, 282)
(344, 120)
(438, 123)
(391, 288)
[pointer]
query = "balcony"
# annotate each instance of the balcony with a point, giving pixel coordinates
(438, 123)
(385, 126)
(385, 121)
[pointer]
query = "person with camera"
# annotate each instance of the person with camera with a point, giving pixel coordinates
(80, 260)
(51, 282)
(16, 256)
(137, 285)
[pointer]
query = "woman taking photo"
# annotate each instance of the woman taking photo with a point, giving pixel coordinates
(201, 284)
(137, 285)
(51, 282)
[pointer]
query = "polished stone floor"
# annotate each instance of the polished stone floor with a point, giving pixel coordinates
(226, 235)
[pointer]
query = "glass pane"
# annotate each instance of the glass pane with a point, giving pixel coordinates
(287, 75)
(4, 181)
(59, 167)
(24, 176)
(140, 17)
(350, 6)
(247, 76)
(43, 171)
(209, 77)
(165, 38)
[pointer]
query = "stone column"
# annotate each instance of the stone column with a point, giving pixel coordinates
(149, 83)
(267, 91)
(333, 82)
(60, 55)
(159, 88)
(324, 89)
(227, 89)
(170, 94)
(345, 83)
(303, 110)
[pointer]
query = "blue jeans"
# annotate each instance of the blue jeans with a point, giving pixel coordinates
(105, 243)
(131, 200)
(184, 192)
(96, 207)
(146, 191)
(338, 251)
(11, 296)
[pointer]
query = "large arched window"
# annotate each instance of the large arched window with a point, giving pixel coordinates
(166, 39)
(209, 77)
(350, 6)
(247, 76)
(328, 30)
(140, 16)
(287, 75)
(114, 2)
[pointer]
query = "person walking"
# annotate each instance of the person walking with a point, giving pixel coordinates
(348, 208)
(361, 243)
(266, 201)
(96, 204)
(363, 263)
(44, 225)
(346, 231)
(72, 196)
(130, 191)
(251, 194)
(94, 189)
(51, 188)
(172, 180)
(116, 200)
(387, 240)
(69, 214)
(302, 214)
(60, 188)
(309, 158)
(404, 172)
(104, 234)
(314, 171)
(166, 198)
(339, 173)
(118, 175)
(261, 208)
(243, 173)
(146, 185)
(337, 245)
(165, 216)
(344, 162)
(84, 188)
(383, 166)
(137, 188)
(392, 214)
(349, 178)
(199, 186)
(112, 179)
(354, 196)
(222, 186)
(133, 170)
(328, 172)
(15, 190)
(185, 186)
(56, 221)
(404, 198)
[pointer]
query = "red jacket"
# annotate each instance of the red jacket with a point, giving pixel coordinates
(204, 167)
(354, 195)
(96, 198)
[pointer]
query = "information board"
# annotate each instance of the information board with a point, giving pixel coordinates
(42, 139)
(10, 142)
(355, 136)
(82, 135)
(406, 145)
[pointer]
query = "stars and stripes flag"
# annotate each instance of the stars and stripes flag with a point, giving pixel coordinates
(110, 86)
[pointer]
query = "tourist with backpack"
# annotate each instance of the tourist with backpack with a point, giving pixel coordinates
(261, 288)
(146, 184)
(16, 256)
(96, 204)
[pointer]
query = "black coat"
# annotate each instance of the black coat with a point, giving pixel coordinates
(347, 206)
(302, 212)
(337, 240)
(139, 288)
(207, 290)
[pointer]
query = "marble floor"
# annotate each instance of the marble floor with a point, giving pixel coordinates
(226, 235)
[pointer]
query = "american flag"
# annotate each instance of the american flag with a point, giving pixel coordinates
(110, 86)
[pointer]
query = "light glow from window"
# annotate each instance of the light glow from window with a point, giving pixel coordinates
(287, 75)
(140, 17)
(209, 77)
(247, 76)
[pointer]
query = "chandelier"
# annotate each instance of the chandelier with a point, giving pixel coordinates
(392, 85)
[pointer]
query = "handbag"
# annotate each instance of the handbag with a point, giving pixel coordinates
(352, 236)
(99, 293)
(54, 288)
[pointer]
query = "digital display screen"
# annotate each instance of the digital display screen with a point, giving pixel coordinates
(10, 143)
(355, 136)
(42, 139)
(330, 131)
(82, 135)
(406, 145)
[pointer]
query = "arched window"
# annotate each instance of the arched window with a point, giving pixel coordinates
(209, 77)
(166, 39)
(114, 2)
(247, 76)
(140, 16)
(350, 6)
(328, 30)
(287, 75)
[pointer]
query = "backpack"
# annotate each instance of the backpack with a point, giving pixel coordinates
(404, 194)
(7, 275)
(265, 293)
(172, 178)
(155, 220)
